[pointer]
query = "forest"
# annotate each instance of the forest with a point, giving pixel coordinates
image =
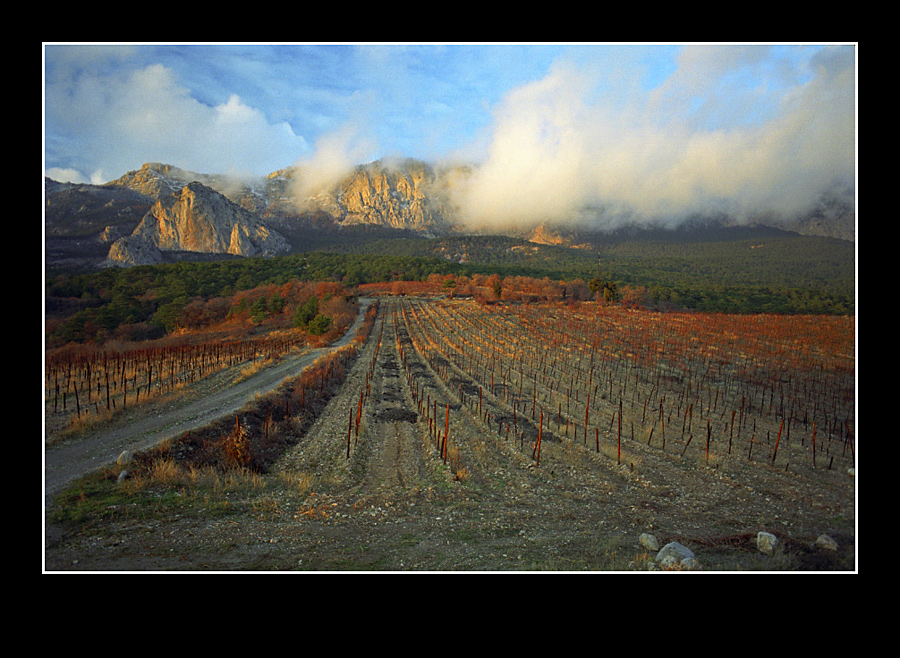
(749, 272)
(692, 368)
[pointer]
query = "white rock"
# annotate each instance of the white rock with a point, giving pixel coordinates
(648, 541)
(673, 553)
(826, 542)
(765, 542)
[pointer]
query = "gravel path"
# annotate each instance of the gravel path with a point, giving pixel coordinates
(388, 501)
(154, 422)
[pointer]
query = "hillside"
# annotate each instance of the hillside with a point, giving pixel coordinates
(385, 223)
(733, 269)
(493, 438)
(149, 209)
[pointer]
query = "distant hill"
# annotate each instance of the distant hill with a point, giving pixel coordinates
(160, 214)
(405, 198)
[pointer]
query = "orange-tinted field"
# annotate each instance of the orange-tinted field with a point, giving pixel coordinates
(779, 389)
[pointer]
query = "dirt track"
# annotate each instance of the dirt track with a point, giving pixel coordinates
(212, 398)
(386, 497)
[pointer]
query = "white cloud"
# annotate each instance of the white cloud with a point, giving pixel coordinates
(119, 121)
(714, 128)
(534, 162)
(66, 175)
(334, 156)
(729, 130)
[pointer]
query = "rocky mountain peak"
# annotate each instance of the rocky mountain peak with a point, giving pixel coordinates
(206, 214)
(197, 219)
(401, 197)
(154, 179)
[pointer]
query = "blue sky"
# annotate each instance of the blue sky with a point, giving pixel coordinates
(648, 129)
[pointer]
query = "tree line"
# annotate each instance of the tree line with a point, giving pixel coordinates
(146, 302)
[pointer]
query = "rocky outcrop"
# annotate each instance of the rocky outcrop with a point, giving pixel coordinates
(544, 234)
(407, 194)
(196, 219)
(132, 250)
(401, 196)
(394, 197)
(155, 180)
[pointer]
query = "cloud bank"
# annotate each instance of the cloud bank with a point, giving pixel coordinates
(701, 143)
(335, 155)
(117, 121)
(643, 133)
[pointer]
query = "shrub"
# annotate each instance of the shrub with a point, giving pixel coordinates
(319, 325)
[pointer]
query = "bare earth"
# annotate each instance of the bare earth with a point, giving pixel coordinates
(392, 504)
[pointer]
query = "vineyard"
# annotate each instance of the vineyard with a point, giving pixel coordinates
(712, 388)
(88, 381)
(462, 435)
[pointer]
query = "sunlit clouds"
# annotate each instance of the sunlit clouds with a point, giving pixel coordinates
(556, 149)
(335, 154)
(629, 131)
(116, 122)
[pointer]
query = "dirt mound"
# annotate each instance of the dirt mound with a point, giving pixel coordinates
(397, 415)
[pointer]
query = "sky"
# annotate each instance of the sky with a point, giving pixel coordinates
(640, 130)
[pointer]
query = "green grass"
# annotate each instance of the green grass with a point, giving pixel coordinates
(163, 492)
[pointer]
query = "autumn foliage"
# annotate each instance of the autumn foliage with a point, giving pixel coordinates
(770, 388)
(209, 335)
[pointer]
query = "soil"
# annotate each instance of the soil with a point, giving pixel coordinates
(385, 499)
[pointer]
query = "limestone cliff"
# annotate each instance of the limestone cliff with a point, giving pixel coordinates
(544, 234)
(402, 197)
(157, 180)
(407, 194)
(197, 219)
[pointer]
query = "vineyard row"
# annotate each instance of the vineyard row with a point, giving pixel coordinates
(684, 383)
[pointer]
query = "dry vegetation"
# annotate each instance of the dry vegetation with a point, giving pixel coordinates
(455, 435)
(86, 384)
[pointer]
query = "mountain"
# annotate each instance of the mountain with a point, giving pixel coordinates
(200, 220)
(160, 213)
(82, 221)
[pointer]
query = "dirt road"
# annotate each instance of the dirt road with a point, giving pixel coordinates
(214, 397)
(387, 497)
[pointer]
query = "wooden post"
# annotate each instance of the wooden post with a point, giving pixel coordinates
(446, 434)
(349, 432)
(777, 440)
(814, 444)
(587, 408)
(619, 438)
(707, 441)
(731, 431)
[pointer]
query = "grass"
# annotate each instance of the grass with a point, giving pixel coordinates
(158, 491)
(99, 505)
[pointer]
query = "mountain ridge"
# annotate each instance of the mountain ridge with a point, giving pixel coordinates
(222, 216)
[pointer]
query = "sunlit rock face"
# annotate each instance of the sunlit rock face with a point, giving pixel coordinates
(198, 219)
(387, 196)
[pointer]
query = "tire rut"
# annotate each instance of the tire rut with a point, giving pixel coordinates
(398, 461)
(370, 441)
